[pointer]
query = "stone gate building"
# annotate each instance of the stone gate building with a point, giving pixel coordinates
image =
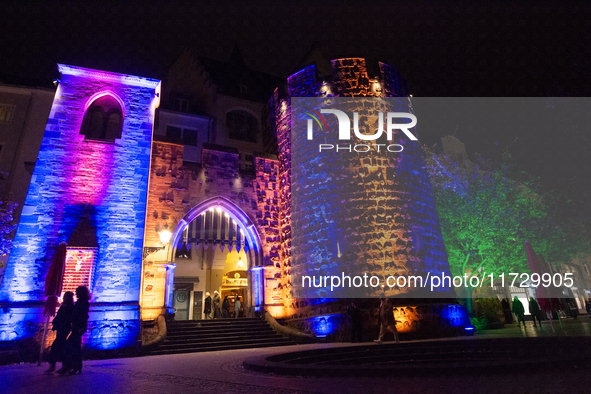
(160, 207)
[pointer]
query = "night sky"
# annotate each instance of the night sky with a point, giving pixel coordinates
(459, 48)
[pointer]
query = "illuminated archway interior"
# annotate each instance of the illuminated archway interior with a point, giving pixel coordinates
(215, 246)
(211, 254)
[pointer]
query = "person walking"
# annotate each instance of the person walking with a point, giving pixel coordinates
(217, 312)
(574, 310)
(386, 319)
(519, 311)
(207, 307)
(237, 306)
(534, 309)
(507, 311)
(62, 325)
(355, 316)
(73, 360)
(226, 308)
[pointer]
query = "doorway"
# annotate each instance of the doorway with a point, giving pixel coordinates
(215, 246)
(180, 303)
(197, 305)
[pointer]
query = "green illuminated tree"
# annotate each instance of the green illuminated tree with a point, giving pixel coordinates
(485, 217)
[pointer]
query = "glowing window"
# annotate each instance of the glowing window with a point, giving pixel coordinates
(103, 121)
(79, 268)
(6, 112)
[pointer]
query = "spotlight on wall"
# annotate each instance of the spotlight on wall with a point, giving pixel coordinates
(240, 263)
(165, 235)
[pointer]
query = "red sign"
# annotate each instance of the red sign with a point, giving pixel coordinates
(79, 268)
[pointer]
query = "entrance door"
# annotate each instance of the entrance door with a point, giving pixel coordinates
(180, 303)
(197, 305)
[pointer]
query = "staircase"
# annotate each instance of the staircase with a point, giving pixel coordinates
(190, 336)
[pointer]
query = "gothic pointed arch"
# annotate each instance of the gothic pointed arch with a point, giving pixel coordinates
(243, 221)
(103, 117)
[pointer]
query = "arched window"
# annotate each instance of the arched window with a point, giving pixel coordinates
(242, 126)
(103, 121)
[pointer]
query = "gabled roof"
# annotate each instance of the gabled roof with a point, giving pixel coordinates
(315, 57)
(234, 77)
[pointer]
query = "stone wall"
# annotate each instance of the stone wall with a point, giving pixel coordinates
(413, 321)
(87, 193)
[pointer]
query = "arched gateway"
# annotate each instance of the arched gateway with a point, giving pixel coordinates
(224, 225)
(215, 246)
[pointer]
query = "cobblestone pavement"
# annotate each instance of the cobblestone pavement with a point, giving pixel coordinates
(222, 372)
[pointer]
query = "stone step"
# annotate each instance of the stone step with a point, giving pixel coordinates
(215, 321)
(230, 342)
(220, 348)
(223, 335)
(205, 331)
(218, 334)
(215, 326)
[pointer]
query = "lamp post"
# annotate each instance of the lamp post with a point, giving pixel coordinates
(165, 236)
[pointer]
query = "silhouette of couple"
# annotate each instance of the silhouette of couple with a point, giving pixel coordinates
(70, 323)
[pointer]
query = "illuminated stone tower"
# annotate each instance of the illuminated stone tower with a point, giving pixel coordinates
(89, 189)
(390, 229)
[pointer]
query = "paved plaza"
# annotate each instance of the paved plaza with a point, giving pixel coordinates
(223, 372)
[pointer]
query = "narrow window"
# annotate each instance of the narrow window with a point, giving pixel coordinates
(190, 137)
(103, 121)
(173, 134)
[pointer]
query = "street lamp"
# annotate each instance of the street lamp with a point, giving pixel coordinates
(165, 235)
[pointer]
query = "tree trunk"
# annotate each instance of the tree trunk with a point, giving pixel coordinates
(469, 300)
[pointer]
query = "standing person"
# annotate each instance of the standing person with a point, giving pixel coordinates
(226, 308)
(207, 307)
(519, 311)
(62, 325)
(574, 311)
(386, 320)
(217, 312)
(355, 315)
(507, 311)
(73, 361)
(534, 309)
(237, 306)
(588, 306)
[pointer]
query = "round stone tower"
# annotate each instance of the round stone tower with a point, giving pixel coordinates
(359, 210)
